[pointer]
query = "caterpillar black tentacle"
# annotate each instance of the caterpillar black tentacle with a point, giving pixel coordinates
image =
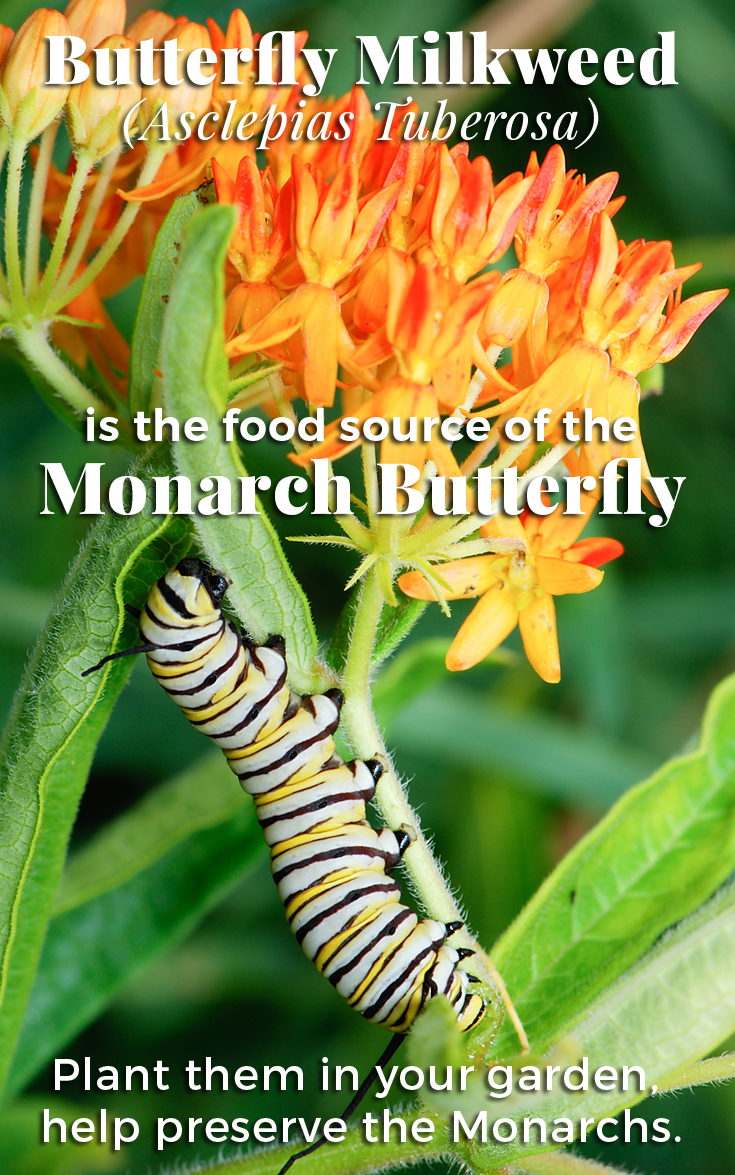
(147, 648)
(332, 869)
(347, 1113)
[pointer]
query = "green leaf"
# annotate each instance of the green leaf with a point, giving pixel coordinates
(264, 593)
(436, 1039)
(675, 1004)
(146, 343)
(415, 670)
(21, 1153)
(395, 625)
(56, 720)
(139, 887)
(662, 850)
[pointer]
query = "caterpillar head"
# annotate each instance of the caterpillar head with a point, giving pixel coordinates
(193, 575)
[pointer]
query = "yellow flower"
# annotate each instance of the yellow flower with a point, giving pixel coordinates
(543, 560)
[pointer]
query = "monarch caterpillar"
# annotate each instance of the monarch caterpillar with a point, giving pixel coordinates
(332, 869)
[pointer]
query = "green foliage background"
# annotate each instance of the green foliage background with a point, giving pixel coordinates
(507, 771)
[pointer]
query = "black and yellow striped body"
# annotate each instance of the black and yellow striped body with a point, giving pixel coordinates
(332, 869)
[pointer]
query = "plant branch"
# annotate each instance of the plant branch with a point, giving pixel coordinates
(85, 162)
(701, 1072)
(37, 349)
(362, 730)
(35, 209)
(558, 1163)
(12, 223)
(116, 237)
(87, 225)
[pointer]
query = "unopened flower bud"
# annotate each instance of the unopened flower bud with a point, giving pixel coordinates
(96, 112)
(30, 103)
(94, 20)
(151, 25)
(186, 97)
(6, 39)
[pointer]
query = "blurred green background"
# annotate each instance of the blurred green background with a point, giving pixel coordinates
(507, 772)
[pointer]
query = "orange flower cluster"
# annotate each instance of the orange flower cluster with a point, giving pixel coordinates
(361, 265)
(378, 264)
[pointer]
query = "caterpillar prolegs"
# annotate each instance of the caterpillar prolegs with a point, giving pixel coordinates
(332, 869)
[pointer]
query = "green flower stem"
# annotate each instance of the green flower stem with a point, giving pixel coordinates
(35, 210)
(85, 229)
(4, 148)
(34, 344)
(85, 163)
(362, 730)
(12, 223)
(99, 261)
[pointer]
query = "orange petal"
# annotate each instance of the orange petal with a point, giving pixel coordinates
(594, 552)
(278, 325)
(563, 578)
(537, 623)
(184, 179)
(515, 302)
(492, 619)
(320, 349)
(466, 578)
(684, 321)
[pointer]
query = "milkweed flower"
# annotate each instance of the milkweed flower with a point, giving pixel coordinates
(428, 333)
(472, 221)
(331, 236)
(544, 559)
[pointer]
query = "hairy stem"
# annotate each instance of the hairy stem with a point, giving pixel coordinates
(83, 168)
(37, 349)
(12, 223)
(362, 730)
(35, 209)
(116, 237)
(85, 229)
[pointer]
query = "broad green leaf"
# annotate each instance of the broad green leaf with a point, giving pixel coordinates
(139, 887)
(545, 752)
(264, 592)
(56, 720)
(661, 851)
(395, 625)
(675, 1004)
(146, 342)
(21, 1153)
